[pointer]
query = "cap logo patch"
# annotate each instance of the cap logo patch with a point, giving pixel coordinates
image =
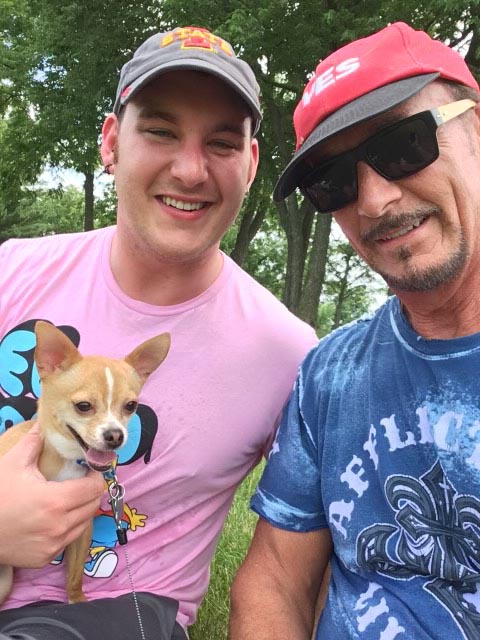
(330, 76)
(197, 38)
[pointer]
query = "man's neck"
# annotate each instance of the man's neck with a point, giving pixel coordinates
(443, 314)
(162, 282)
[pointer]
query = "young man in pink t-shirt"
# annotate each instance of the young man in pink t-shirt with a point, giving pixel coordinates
(180, 144)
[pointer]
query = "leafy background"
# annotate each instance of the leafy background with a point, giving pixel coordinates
(59, 67)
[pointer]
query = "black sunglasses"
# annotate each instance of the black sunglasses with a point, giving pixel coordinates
(395, 152)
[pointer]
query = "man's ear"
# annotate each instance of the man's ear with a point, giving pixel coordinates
(254, 158)
(109, 141)
(149, 355)
(54, 350)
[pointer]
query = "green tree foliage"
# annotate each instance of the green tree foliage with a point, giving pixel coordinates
(60, 66)
(44, 212)
(266, 258)
(350, 290)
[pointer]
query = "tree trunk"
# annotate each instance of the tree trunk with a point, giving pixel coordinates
(312, 289)
(291, 219)
(252, 219)
(471, 57)
(296, 221)
(89, 200)
(242, 241)
(342, 293)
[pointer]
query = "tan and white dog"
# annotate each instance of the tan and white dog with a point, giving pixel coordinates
(85, 405)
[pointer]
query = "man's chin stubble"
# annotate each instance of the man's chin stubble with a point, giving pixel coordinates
(417, 280)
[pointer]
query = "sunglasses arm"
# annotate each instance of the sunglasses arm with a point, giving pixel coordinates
(448, 111)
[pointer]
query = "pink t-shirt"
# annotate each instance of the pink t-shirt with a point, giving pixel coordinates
(206, 414)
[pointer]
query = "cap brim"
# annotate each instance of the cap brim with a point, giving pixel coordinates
(191, 65)
(363, 108)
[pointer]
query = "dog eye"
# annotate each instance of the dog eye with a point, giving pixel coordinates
(131, 406)
(83, 407)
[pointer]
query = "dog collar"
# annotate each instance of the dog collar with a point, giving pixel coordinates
(108, 475)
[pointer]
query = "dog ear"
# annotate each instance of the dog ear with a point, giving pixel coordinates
(54, 350)
(149, 355)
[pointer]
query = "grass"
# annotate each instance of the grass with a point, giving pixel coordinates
(212, 621)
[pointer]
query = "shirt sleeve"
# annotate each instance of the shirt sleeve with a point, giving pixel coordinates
(288, 495)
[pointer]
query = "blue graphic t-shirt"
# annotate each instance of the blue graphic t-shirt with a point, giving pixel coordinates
(381, 443)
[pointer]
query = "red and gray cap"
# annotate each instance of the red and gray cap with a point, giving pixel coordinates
(192, 48)
(364, 79)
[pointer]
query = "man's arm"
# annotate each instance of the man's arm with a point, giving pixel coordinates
(39, 518)
(275, 590)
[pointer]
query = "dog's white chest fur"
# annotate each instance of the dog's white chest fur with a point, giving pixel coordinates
(71, 469)
(69, 450)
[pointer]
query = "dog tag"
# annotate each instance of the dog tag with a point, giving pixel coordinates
(117, 507)
(122, 536)
(117, 492)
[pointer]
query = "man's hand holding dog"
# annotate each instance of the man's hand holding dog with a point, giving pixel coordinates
(40, 518)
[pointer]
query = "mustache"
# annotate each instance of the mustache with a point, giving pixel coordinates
(393, 222)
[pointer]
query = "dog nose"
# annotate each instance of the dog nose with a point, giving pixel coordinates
(113, 437)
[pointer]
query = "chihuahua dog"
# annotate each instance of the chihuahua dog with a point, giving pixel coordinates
(85, 405)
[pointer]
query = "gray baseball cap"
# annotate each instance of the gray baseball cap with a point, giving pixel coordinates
(192, 48)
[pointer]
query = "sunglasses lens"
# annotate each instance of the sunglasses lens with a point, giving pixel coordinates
(396, 152)
(403, 150)
(332, 185)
